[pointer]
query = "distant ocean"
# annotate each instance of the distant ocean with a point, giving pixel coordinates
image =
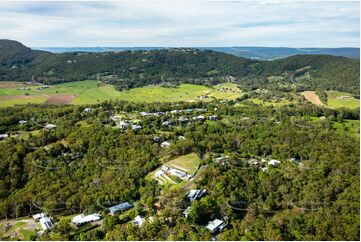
(262, 53)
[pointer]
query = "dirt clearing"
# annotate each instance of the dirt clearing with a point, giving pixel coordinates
(312, 97)
(59, 99)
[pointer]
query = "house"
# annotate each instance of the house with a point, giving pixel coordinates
(253, 162)
(216, 225)
(175, 172)
(166, 123)
(165, 144)
(221, 159)
(156, 138)
(136, 127)
(143, 113)
(120, 208)
(197, 118)
(186, 211)
(22, 122)
(213, 117)
(181, 137)
(3, 136)
(50, 126)
(183, 120)
(46, 223)
(138, 221)
(87, 110)
(123, 125)
(82, 219)
(175, 111)
(274, 162)
(39, 216)
(195, 194)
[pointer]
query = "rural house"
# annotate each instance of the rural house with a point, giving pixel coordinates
(120, 208)
(216, 225)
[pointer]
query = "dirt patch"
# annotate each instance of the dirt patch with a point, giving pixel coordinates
(59, 99)
(312, 97)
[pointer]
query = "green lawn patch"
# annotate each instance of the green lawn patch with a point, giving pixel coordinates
(337, 99)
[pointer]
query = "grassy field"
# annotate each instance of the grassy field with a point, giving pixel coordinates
(22, 100)
(188, 163)
(341, 99)
(92, 92)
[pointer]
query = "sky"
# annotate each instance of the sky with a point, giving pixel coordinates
(181, 23)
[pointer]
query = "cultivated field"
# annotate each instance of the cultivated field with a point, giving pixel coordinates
(92, 92)
(341, 99)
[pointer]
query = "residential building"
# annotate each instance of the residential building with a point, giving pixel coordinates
(138, 221)
(39, 216)
(165, 144)
(120, 208)
(46, 223)
(274, 162)
(83, 219)
(216, 225)
(50, 126)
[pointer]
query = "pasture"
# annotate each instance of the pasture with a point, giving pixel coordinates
(93, 92)
(341, 100)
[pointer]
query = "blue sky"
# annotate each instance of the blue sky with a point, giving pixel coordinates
(182, 23)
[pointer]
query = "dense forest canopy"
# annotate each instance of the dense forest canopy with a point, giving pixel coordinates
(86, 162)
(128, 69)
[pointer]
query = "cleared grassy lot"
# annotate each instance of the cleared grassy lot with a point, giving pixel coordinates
(188, 163)
(341, 100)
(92, 92)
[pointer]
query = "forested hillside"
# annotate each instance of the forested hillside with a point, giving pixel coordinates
(128, 69)
(89, 161)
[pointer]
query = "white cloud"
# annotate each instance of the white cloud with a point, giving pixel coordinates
(176, 23)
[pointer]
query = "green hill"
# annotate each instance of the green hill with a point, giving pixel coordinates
(129, 69)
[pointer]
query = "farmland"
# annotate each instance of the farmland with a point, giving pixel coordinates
(92, 92)
(341, 99)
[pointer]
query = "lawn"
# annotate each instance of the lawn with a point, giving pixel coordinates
(341, 100)
(188, 163)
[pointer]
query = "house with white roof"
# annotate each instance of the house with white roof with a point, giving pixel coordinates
(22, 122)
(136, 127)
(165, 144)
(195, 194)
(39, 216)
(46, 223)
(274, 162)
(120, 208)
(50, 126)
(167, 123)
(197, 118)
(3, 136)
(138, 221)
(123, 125)
(83, 219)
(216, 225)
